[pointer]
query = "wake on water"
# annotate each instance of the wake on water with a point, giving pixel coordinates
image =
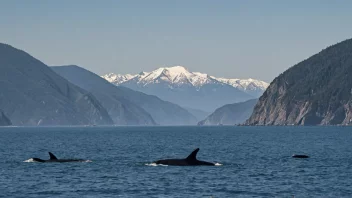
(29, 160)
(154, 164)
(32, 160)
(148, 164)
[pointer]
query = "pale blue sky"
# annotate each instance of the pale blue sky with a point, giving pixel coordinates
(224, 38)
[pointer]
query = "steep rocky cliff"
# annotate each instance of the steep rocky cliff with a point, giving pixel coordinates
(316, 91)
(4, 121)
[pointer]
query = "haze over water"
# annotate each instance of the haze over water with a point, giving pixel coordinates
(256, 162)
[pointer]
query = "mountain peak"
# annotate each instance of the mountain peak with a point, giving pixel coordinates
(177, 69)
(172, 75)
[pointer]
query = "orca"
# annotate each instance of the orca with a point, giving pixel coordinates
(300, 156)
(191, 160)
(53, 158)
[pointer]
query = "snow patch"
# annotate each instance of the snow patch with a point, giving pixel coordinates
(244, 84)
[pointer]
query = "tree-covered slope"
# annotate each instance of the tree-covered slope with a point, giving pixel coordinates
(316, 91)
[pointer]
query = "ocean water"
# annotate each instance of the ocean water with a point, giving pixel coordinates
(256, 162)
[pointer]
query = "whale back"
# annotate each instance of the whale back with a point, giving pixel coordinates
(38, 159)
(300, 156)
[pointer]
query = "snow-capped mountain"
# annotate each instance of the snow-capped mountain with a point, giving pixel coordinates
(190, 89)
(180, 75)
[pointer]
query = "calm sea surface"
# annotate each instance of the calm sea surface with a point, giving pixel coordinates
(256, 162)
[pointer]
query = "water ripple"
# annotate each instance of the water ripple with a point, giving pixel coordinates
(254, 162)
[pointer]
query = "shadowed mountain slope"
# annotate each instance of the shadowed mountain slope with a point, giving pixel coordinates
(164, 113)
(231, 114)
(32, 94)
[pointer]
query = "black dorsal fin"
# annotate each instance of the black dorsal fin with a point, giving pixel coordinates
(52, 156)
(193, 155)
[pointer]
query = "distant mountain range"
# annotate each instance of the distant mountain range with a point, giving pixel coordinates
(316, 91)
(231, 114)
(125, 106)
(32, 94)
(190, 89)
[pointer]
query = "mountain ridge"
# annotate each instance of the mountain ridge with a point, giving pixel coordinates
(32, 94)
(197, 79)
(230, 114)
